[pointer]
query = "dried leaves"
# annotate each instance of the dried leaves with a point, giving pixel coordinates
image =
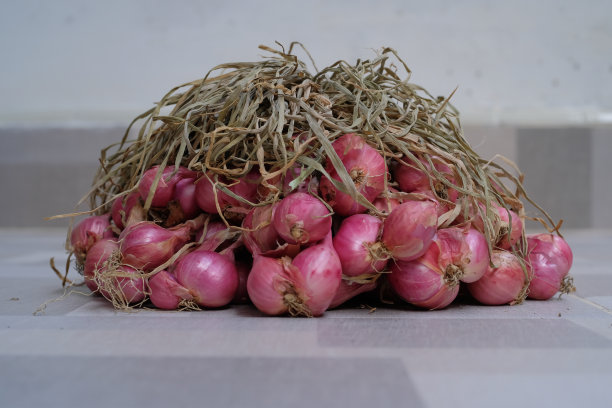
(250, 114)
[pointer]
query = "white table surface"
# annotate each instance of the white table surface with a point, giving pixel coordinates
(554, 353)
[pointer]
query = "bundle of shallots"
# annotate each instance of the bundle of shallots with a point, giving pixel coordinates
(296, 192)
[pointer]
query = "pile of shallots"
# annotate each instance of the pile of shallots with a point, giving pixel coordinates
(209, 241)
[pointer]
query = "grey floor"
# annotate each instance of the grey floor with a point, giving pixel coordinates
(80, 351)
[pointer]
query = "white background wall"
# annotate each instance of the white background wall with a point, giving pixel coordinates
(519, 61)
(535, 73)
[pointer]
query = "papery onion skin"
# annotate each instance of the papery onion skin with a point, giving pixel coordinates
(353, 243)
(301, 218)
(146, 245)
(321, 270)
(210, 277)
(267, 285)
(97, 256)
(550, 259)
(123, 207)
(409, 229)
(87, 232)
(504, 283)
(166, 292)
(366, 167)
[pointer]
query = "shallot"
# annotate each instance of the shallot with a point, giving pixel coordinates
(122, 285)
(348, 290)
(385, 202)
(301, 218)
(358, 247)
(275, 287)
(127, 210)
(210, 277)
(146, 245)
(164, 190)
(184, 194)
(260, 236)
(502, 283)
(366, 168)
(292, 181)
(412, 179)
(321, 270)
(424, 284)
(208, 194)
(511, 228)
(97, 258)
(409, 229)
(509, 231)
(550, 259)
(87, 232)
(305, 286)
(432, 281)
(166, 292)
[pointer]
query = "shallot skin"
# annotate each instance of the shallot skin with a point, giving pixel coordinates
(132, 289)
(385, 203)
(211, 278)
(122, 207)
(301, 218)
(246, 187)
(423, 287)
(146, 245)
(321, 271)
(502, 283)
(266, 285)
(87, 232)
(409, 229)
(123, 290)
(164, 191)
(352, 242)
(184, 194)
(550, 259)
(366, 167)
(513, 225)
(96, 258)
(166, 292)
(304, 286)
(477, 257)
(260, 236)
(412, 179)
(422, 282)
